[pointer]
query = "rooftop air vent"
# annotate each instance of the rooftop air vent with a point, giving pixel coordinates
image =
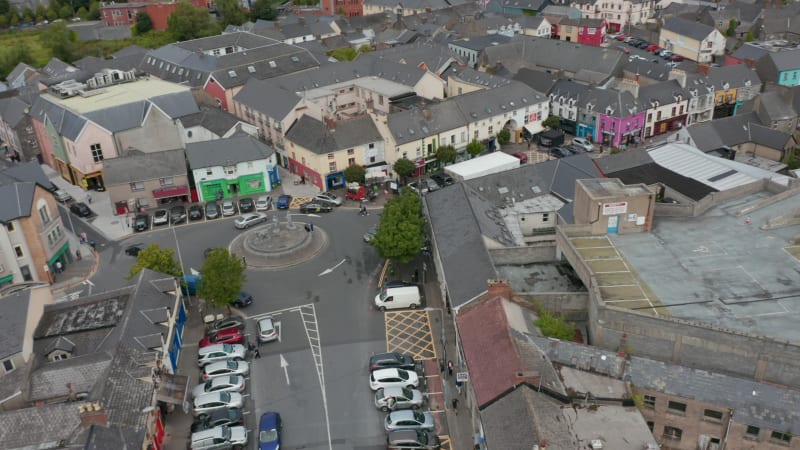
(273, 64)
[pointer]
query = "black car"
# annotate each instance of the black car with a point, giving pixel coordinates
(315, 208)
(392, 360)
(643, 45)
(242, 300)
(195, 212)
(177, 214)
(575, 149)
(80, 209)
(133, 250)
(442, 179)
(229, 416)
(560, 152)
(212, 210)
(141, 222)
(246, 204)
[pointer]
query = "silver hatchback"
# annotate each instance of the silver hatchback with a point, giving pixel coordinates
(409, 420)
(393, 398)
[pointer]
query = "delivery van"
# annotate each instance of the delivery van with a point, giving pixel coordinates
(398, 297)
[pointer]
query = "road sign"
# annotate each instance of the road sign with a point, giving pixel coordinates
(462, 377)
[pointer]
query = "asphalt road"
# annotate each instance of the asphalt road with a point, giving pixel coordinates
(328, 329)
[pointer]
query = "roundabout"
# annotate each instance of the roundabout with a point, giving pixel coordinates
(278, 245)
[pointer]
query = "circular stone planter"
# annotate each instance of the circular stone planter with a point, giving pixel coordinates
(278, 245)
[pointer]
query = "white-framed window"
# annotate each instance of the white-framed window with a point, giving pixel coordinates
(97, 152)
(332, 166)
(137, 186)
(44, 214)
(166, 181)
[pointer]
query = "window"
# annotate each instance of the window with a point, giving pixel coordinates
(658, 116)
(380, 99)
(10, 226)
(673, 111)
(491, 130)
(545, 217)
(371, 145)
(677, 408)
(672, 433)
(351, 151)
(452, 139)
(8, 365)
(332, 166)
(475, 135)
(18, 251)
(712, 415)
(332, 156)
(230, 170)
(168, 181)
(752, 432)
(97, 152)
(208, 172)
(137, 186)
(650, 401)
(781, 437)
(650, 425)
(44, 214)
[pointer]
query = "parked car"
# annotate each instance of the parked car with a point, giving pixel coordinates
(418, 187)
(370, 234)
(160, 217)
(328, 198)
(633, 58)
(412, 440)
(248, 220)
(242, 299)
(195, 212)
(264, 203)
(225, 322)
(228, 208)
(231, 383)
(226, 336)
(62, 196)
(223, 368)
(212, 210)
(574, 149)
(383, 378)
(665, 53)
(177, 214)
(246, 204)
(141, 222)
(431, 184)
(621, 37)
(133, 250)
(266, 330)
(284, 201)
(643, 45)
(392, 360)
(408, 420)
(269, 431)
(522, 156)
(219, 438)
(676, 58)
(229, 417)
(625, 50)
(442, 179)
(394, 398)
(80, 209)
(560, 152)
(205, 404)
(220, 352)
(315, 208)
(581, 142)
(671, 64)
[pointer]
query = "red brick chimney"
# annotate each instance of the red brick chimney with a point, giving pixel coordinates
(500, 288)
(92, 414)
(331, 123)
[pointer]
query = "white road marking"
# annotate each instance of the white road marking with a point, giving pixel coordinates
(327, 271)
(285, 366)
(312, 333)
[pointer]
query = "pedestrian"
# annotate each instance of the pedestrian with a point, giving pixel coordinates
(78, 254)
(59, 267)
(84, 238)
(308, 228)
(455, 405)
(363, 211)
(89, 198)
(251, 346)
(256, 353)
(312, 226)
(450, 368)
(441, 365)
(458, 386)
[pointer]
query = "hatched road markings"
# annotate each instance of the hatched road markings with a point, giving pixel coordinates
(410, 332)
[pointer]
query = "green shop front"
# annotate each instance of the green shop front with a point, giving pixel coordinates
(256, 183)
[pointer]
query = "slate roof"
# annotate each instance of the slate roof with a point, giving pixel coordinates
(736, 75)
(30, 171)
(683, 27)
(13, 307)
(536, 79)
(487, 103)
(124, 170)
(12, 111)
(434, 57)
(98, 311)
(736, 130)
(127, 388)
(786, 60)
(267, 98)
(216, 120)
(16, 201)
(417, 123)
(479, 43)
(663, 92)
(40, 427)
(468, 75)
(220, 152)
(315, 136)
(569, 90)
(49, 381)
(19, 71)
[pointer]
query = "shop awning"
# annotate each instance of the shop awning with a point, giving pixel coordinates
(533, 128)
(173, 388)
(172, 191)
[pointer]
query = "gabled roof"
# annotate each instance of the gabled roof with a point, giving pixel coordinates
(216, 120)
(16, 201)
(418, 54)
(30, 171)
(124, 170)
(486, 103)
(735, 76)
(479, 43)
(664, 92)
(537, 79)
(469, 75)
(267, 98)
(612, 103)
(40, 426)
(128, 389)
(315, 136)
(49, 381)
(418, 123)
(786, 60)
(13, 110)
(222, 152)
(683, 27)
(13, 310)
(736, 130)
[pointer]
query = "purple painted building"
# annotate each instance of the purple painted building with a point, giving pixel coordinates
(617, 118)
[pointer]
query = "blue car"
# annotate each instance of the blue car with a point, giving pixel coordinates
(269, 431)
(284, 201)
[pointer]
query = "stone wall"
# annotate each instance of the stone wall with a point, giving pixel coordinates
(539, 252)
(570, 306)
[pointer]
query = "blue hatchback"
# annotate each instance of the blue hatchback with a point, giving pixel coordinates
(269, 431)
(284, 201)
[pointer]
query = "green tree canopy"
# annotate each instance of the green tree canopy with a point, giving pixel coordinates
(13, 55)
(554, 327)
(65, 12)
(355, 173)
(552, 122)
(404, 168)
(223, 277)
(158, 259)
(51, 14)
(94, 11)
(232, 13)
(475, 148)
(189, 22)
(344, 54)
(399, 235)
(82, 13)
(60, 40)
(41, 11)
(5, 6)
(503, 136)
(143, 23)
(262, 9)
(731, 31)
(446, 154)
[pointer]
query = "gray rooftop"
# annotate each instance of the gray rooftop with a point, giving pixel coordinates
(221, 152)
(417, 123)
(683, 27)
(127, 389)
(12, 329)
(736, 130)
(786, 60)
(16, 200)
(144, 166)
(40, 427)
(473, 76)
(664, 92)
(267, 98)
(315, 136)
(735, 76)
(215, 120)
(479, 43)
(49, 381)
(486, 103)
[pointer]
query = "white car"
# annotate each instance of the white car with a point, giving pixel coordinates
(223, 368)
(220, 352)
(384, 378)
(161, 217)
(266, 330)
(231, 383)
(207, 403)
(583, 143)
(633, 58)
(228, 208)
(264, 203)
(248, 220)
(328, 198)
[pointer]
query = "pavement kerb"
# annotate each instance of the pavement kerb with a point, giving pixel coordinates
(74, 281)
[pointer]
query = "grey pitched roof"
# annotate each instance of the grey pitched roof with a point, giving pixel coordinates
(40, 426)
(414, 4)
(736, 130)
(125, 392)
(683, 27)
(537, 79)
(486, 103)
(663, 92)
(748, 51)
(49, 381)
(144, 166)
(13, 110)
(263, 63)
(19, 71)
(12, 329)
(736, 75)
(434, 56)
(786, 60)
(479, 43)
(416, 123)
(216, 120)
(312, 134)
(611, 102)
(569, 90)
(267, 98)
(237, 148)
(27, 171)
(72, 124)
(118, 118)
(16, 200)
(61, 343)
(176, 104)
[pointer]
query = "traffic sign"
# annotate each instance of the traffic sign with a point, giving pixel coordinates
(462, 377)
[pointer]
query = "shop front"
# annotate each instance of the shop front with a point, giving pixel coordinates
(62, 255)
(585, 131)
(171, 194)
(671, 124)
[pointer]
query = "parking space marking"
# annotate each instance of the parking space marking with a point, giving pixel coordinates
(444, 442)
(410, 332)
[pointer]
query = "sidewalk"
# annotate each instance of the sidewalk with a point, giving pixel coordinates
(76, 271)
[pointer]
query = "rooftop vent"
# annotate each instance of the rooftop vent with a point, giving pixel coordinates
(232, 73)
(273, 64)
(251, 69)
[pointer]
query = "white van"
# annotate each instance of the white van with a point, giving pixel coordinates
(398, 297)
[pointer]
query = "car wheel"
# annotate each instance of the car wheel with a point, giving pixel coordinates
(382, 309)
(238, 447)
(415, 407)
(413, 306)
(385, 408)
(410, 386)
(202, 416)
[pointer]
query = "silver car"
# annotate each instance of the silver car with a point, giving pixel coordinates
(248, 220)
(231, 383)
(220, 352)
(409, 420)
(223, 368)
(266, 330)
(393, 398)
(228, 208)
(328, 198)
(263, 203)
(207, 403)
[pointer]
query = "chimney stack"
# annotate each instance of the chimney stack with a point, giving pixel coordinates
(500, 288)
(533, 378)
(331, 123)
(92, 414)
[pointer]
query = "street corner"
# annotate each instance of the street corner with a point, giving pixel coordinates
(410, 332)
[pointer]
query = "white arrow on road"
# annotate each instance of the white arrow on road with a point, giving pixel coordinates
(285, 366)
(327, 271)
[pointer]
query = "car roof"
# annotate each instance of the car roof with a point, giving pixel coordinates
(392, 371)
(267, 320)
(401, 414)
(269, 419)
(209, 397)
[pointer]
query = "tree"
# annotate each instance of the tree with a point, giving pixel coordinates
(82, 13)
(474, 148)
(223, 277)
(13, 19)
(731, 31)
(554, 327)
(94, 11)
(51, 14)
(60, 40)
(5, 6)
(143, 23)
(749, 37)
(232, 13)
(157, 259)
(446, 154)
(65, 12)
(504, 136)
(552, 122)
(404, 168)
(344, 54)
(262, 9)
(189, 22)
(3, 23)
(355, 173)
(41, 11)
(366, 48)
(28, 15)
(13, 55)
(399, 234)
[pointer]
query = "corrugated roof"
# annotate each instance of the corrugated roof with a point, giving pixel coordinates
(692, 163)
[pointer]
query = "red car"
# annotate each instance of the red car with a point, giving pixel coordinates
(676, 58)
(226, 336)
(621, 37)
(652, 48)
(523, 158)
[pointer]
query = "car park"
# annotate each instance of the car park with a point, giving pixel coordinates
(218, 418)
(412, 440)
(408, 420)
(226, 336)
(269, 431)
(264, 203)
(394, 398)
(177, 214)
(383, 378)
(267, 332)
(141, 222)
(370, 234)
(195, 212)
(205, 404)
(248, 220)
(220, 352)
(584, 143)
(160, 217)
(676, 58)
(80, 209)
(284, 201)
(212, 210)
(522, 156)
(225, 322)
(222, 368)
(228, 208)
(246, 204)
(62, 196)
(306, 208)
(220, 438)
(442, 179)
(242, 299)
(328, 198)
(134, 250)
(560, 152)
(392, 360)
(230, 383)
